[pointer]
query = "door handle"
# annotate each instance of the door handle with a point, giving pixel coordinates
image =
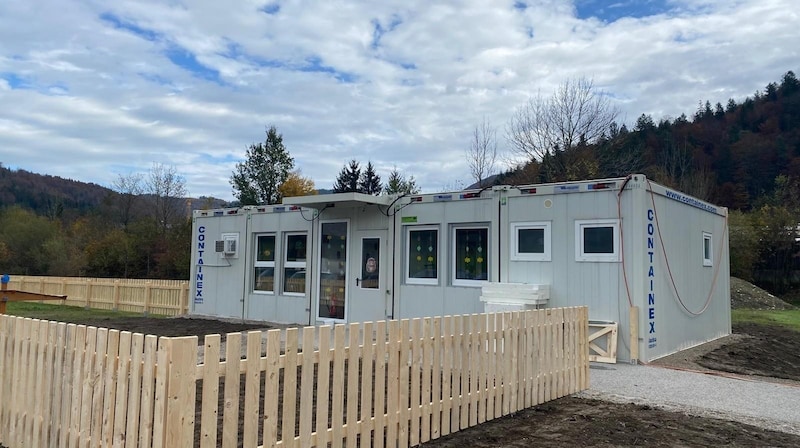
(357, 281)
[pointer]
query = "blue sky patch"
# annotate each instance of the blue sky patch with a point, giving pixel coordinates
(15, 81)
(314, 65)
(188, 61)
(271, 8)
(378, 30)
(613, 11)
(131, 27)
(522, 6)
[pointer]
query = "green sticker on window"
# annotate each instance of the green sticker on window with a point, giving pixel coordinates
(408, 219)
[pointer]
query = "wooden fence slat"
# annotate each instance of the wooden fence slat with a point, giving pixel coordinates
(147, 414)
(72, 417)
(367, 384)
(415, 388)
(499, 348)
(182, 390)
(210, 393)
(447, 374)
(4, 374)
(353, 381)
(271, 388)
(290, 387)
(230, 413)
(131, 432)
(436, 389)
(457, 389)
(393, 383)
(252, 386)
(482, 355)
(85, 408)
(474, 370)
(337, 392)
(42, 367)
(161, 394)
(121, 402)
(307, 387)
(405, 349)
(427, 372)
(110, 388)
(323, 385)
(380, 384)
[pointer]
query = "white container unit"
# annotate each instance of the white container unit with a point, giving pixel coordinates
(649, 258)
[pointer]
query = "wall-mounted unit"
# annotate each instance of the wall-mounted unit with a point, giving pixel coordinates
(228, 246)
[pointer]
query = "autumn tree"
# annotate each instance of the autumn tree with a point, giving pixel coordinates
(129, 188)
(297, 185)
(266, 167)
(482, 151)
(576, 112)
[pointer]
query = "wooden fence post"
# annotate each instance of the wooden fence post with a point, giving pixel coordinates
(184, 300)
(116, 295)
(147, 297)
(634, 326)
(88, 292)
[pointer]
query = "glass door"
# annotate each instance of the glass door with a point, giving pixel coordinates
(333, 270)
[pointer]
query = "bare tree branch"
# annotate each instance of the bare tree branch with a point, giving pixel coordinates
(482, 152)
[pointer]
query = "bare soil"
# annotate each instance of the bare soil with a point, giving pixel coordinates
(755, 351)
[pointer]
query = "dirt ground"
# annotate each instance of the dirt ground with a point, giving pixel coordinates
(753, 350)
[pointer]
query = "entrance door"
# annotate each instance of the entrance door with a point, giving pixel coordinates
(368, 282)
(333, 285)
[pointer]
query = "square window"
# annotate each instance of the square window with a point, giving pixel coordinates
(708, 254)
(530, 241)
(422, 250)
(470, 255)
(597, 240)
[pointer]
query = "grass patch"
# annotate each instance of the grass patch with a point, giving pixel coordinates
(63, 313)
(784, 318)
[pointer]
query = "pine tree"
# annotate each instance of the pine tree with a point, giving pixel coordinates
(397, 184)
(347, 180)
(370, 181)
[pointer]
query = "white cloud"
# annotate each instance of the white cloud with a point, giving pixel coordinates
(89, 90)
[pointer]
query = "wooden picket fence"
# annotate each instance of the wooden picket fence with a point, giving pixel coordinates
(382, 384)
(164, 297)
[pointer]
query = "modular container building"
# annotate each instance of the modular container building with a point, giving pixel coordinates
(650, 258)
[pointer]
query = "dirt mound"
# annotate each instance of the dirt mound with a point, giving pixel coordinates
(745, 295)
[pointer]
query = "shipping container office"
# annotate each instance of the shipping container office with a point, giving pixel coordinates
(426, 255)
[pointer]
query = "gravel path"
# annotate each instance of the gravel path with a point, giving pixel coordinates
(764, 404)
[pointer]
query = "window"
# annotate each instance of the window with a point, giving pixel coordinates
(708, 254)
(370, 257)
(422, 248)
(294, 265)
(597, 240)
(264, 279)
(530, 241)
(470, 255)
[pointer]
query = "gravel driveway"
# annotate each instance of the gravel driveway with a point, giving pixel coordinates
(764, 404)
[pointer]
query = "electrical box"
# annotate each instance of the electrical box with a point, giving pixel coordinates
(228, 246)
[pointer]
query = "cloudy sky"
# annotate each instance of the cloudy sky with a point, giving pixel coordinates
(91, 89)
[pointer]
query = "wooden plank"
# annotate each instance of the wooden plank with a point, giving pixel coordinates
(392, 383)
(31, 399)
(182, 389)
(109, 388)
(458, 372)
(230, 413)
(87, 371)
(5, 374)
(271, 385)
(131, 434)
(337, 392)
(633, 323)
(98, 368)
(210, 394)
(353, 355)
(252, 385)
(17, 384)
(491, 356)
(500, 322)
(436, 371)
(463, 348)
(323, 385)
(483, 367)
(51, 392)
(416, 383)
(77, 350)
(59, 385)
(307, 387)
(405, 349)
(508, 358)
(427, 369)
(290, 360)
(379, 426)
(121, 395)
(513, 384)
(40, 382)
(367, 383)
(147, 415)
(161, 394)
(475, 374)
(447, 374)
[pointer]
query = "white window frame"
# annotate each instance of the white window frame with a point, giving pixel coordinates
(516, 255)
(422, 281)
(293, 264)
(580, 255)
(709, 260)
(265, 264)
(465, 282)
